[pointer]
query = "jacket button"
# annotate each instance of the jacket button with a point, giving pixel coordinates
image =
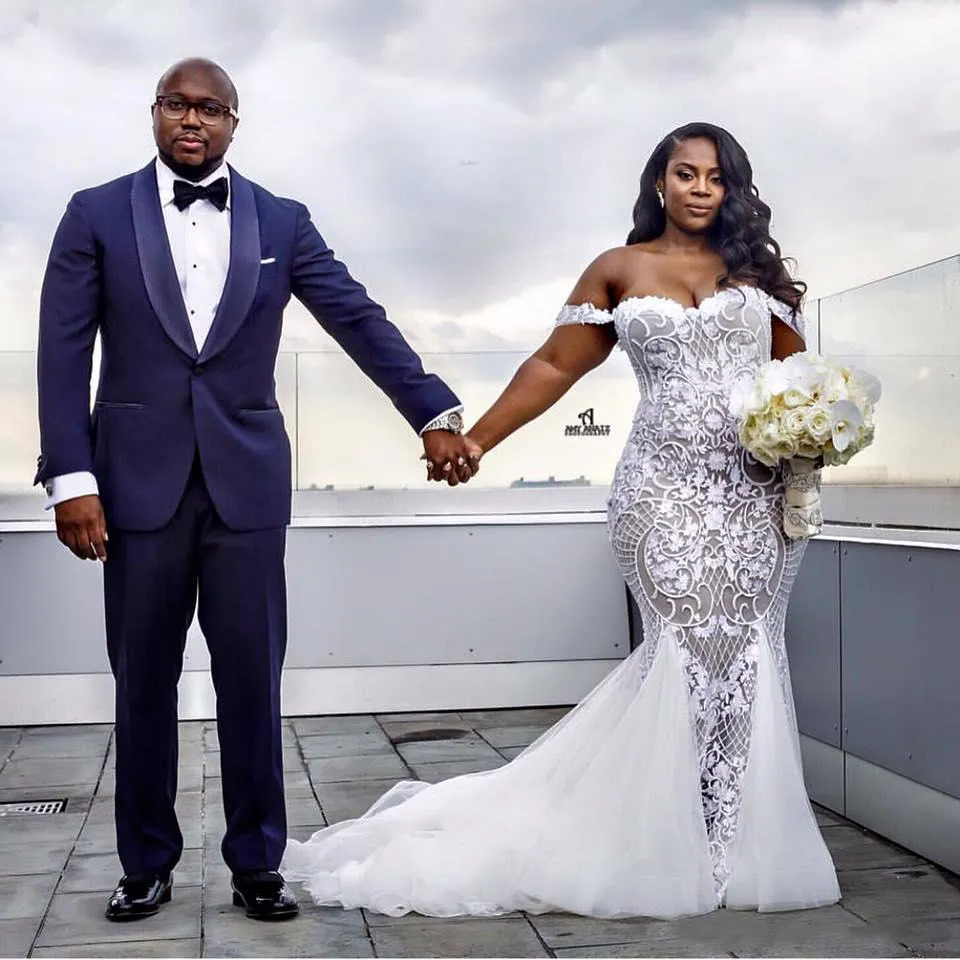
(197, 369)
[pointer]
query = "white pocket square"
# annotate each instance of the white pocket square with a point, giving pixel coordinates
(268, 260)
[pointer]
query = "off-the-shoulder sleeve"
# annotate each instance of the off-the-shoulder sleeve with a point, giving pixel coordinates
(794, 320)
(582, 313)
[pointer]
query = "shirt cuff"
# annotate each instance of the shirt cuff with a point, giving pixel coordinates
(432, 425)
(69, 486)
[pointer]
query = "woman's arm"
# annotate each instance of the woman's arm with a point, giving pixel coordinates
(786, 340)
(571, 351)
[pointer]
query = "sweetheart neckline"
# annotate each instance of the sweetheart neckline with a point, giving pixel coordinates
(716, 295)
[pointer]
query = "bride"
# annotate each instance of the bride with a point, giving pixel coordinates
(675, 787)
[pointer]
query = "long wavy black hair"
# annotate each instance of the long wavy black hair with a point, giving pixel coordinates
(741, 231)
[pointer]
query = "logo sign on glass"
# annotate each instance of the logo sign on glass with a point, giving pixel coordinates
(587, 427)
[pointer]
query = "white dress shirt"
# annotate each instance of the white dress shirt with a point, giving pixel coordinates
(199, 238)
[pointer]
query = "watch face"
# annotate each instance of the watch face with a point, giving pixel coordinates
(456, 421)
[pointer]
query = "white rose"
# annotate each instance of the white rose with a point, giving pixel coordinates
(794, 397)
(795, 423)
(819, 423)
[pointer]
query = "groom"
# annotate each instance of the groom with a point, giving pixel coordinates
(184, 268)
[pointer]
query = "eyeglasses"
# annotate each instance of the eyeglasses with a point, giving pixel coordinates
(210, 112)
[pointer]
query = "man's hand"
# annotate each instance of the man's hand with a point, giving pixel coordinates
(449, 457)
(82, 528)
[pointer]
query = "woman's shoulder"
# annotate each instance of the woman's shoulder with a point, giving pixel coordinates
(617, 263)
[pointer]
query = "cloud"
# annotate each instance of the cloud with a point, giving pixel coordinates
(457, 155)
(467, 160)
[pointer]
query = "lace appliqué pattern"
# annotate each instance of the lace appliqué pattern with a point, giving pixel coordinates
(696, 524)
(572, 313)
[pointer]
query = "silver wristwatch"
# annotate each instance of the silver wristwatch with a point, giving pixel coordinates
(452, 420)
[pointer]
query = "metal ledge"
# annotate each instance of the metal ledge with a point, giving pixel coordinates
(922, 517)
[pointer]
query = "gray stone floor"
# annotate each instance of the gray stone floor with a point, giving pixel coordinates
(56, 871)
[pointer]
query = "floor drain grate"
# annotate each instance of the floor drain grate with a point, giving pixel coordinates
(32, 808)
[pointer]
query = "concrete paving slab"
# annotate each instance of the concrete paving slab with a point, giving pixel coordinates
(926, 938)
(440, 716)
(312, 726)
(126, 948)
(317, 932)
(100, 872)
(68, 729)
(662, 948)
(77, 918)
(920, 893)
(435, 772)
(26, 898)
(189, 809)
(16, 937)
(439, 751)
(330, 745)
(458, 938)
(521, 735)
(541, 716)
(30, 857)
(73, 745)
(829, 931)
(351, 769)
(189, 780)
(826, 818)
(303, 813)
(346, 801)
(858, 850)
(84, 771)
(291, 762)
(57, 827)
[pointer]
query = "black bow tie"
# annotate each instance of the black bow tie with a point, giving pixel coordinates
(184, 193)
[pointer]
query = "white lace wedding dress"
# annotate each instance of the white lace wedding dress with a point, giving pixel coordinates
(676, 786)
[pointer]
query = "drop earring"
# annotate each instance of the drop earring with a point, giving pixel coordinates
(660, 197)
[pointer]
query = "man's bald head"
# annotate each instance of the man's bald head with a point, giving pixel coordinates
(214, 71)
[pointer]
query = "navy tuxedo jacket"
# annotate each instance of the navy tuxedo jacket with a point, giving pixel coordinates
(158, 400)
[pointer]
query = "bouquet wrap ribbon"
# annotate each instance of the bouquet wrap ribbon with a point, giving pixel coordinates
(802, 515)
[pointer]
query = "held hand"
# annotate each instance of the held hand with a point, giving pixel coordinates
(82, 527)
(448, 457)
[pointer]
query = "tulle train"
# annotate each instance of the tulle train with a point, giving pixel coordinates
(600, 817)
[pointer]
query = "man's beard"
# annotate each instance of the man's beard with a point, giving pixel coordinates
(188, 171)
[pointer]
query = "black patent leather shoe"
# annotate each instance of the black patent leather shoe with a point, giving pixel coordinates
(264, 895)
(139, 897)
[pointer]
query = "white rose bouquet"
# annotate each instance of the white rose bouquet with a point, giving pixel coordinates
(805, 412)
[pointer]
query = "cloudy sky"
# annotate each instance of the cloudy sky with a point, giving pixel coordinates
(467, 158)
